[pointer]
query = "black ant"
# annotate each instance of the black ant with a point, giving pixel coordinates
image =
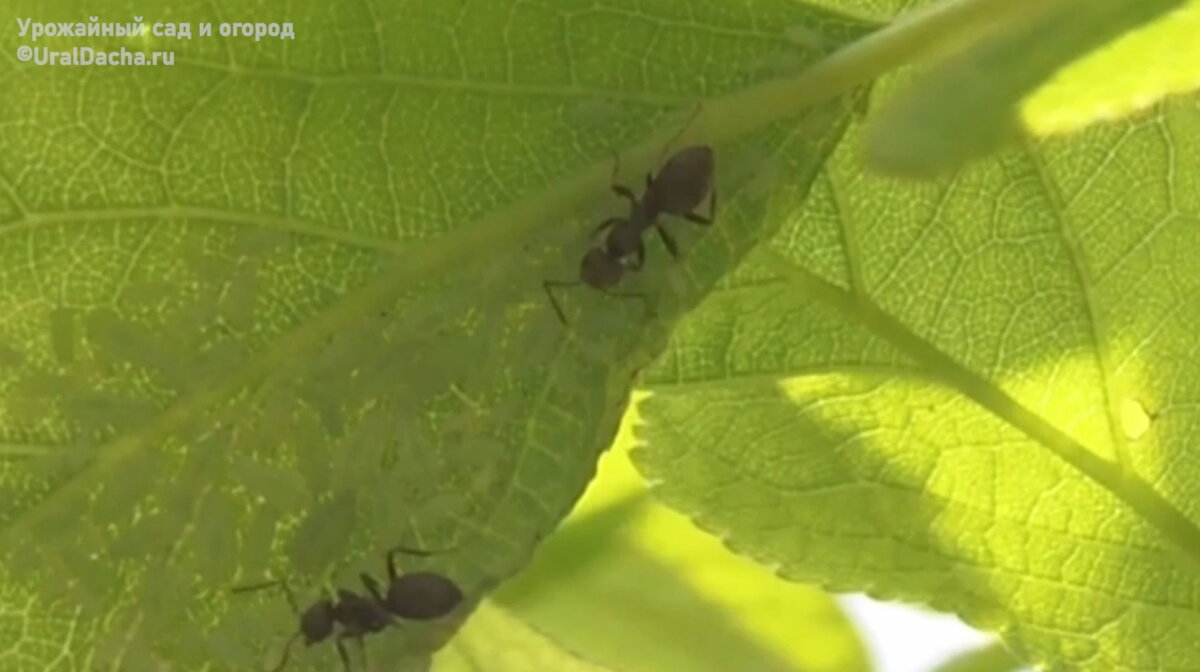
(677, 189)
(418, 596)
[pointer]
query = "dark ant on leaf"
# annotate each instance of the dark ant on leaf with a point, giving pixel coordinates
(419, 596)
(678, 188)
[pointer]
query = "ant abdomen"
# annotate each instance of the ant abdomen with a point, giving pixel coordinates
(422, 596)
(682, 183)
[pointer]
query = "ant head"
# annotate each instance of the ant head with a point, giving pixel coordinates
(423, 596)
(599, 270)
(316, 622)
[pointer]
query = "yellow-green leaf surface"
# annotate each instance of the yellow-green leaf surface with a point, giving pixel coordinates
(277, 307)
(497, 641)
(967, 104)
(978, 394)
(1131, 74)
(629, 583)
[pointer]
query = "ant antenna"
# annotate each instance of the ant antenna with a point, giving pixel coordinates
(407, 550)
(420, 552)
(291, 598)
(617, 157)
(678, 134)
(562, 317)
(283, 586)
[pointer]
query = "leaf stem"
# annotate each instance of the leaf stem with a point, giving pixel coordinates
(907, 38)
(1123, 484)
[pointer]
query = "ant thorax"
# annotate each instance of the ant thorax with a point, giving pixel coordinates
(625, 239)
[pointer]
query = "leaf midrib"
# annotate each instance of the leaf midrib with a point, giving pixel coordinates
(1128, 487)
(184, 212)
(573, 91)
(1078, 265)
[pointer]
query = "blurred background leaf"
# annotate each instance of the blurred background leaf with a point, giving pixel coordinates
(966, 104)
(1126, 76)
(634, 585)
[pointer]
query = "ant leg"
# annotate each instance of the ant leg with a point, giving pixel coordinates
(606, 224)
(291, 598)
(422, 552)
(674, 138)
(287, 652)
(667, 239)
(418, 552)
(372, 585)
(640, 255)
(712, 212)
(547, 284)
(341, 649)
(624, 192)
(362, 652)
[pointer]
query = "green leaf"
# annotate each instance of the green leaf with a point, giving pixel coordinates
(626, 580)
(497, 641)
(977, 394)
(276, 308)
(1126, 77)
(967, 104)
